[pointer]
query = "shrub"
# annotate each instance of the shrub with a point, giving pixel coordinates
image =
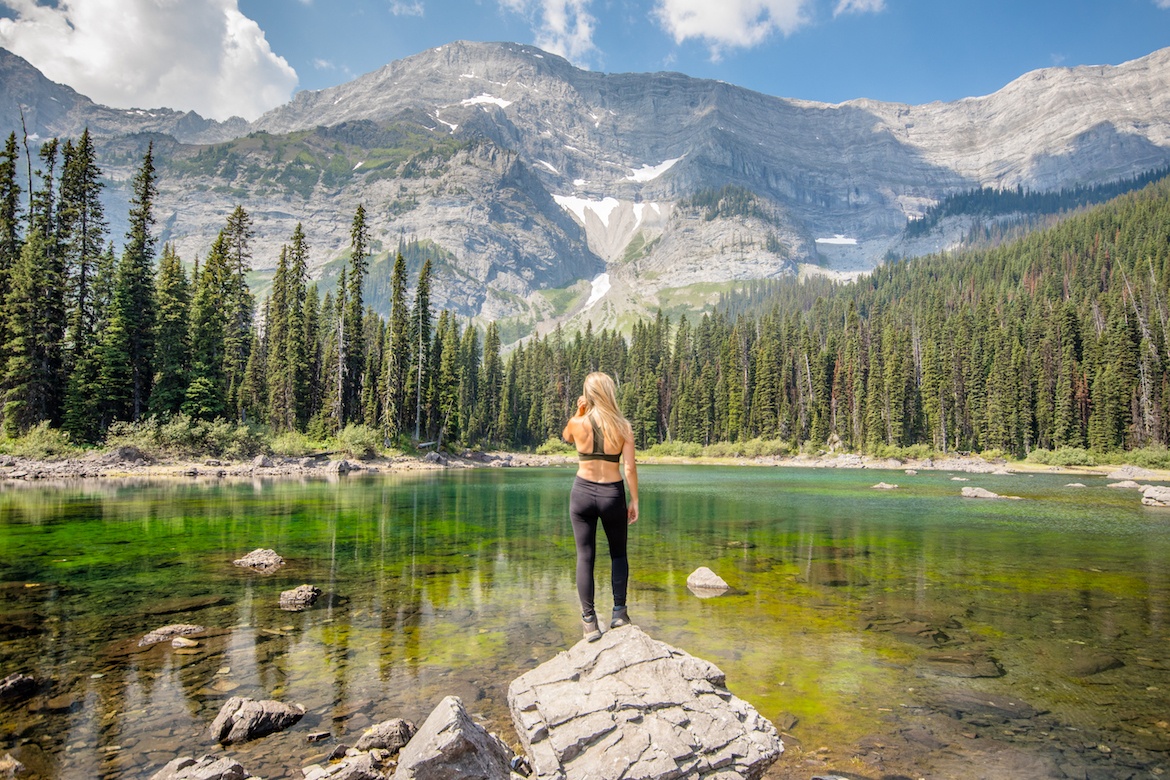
(1147, 457)
(184, 437)
(41, 442)
(1065, 456)
(555, 446)
(912, 452)
(294, 444)
(359, 441)
(677, 449)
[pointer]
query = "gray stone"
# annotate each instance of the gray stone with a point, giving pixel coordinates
(389, 735)
(206, 768)
(671, 714)
(705, 583)
(240, 719)
(450, 744)
(1125, 484)
(1089, 665)
(262, 462)
(1156, 495)
(978, 492)
(166, 633)
(961, 665)
(363, 766)
(17, 686)
(299, 598)
(1130, 472)
(340, 467)
(434, 457)
(10, 767)
(885, 486)
(261, 560)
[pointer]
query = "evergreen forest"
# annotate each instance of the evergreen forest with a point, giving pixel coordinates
(1057, 340)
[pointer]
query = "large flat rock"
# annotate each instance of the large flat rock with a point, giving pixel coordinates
(629, 706)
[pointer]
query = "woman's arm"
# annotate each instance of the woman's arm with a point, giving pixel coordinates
(631, 469)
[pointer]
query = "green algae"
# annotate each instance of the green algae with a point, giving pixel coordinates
(439, 583)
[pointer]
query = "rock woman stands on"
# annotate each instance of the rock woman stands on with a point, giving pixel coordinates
(603, 438)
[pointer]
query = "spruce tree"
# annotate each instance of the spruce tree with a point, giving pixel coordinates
(238, 306)
(420, 339)
(172, 347)
(355, 346)
(127, 346)
(34, 314)
(399, 354)
(207, 392)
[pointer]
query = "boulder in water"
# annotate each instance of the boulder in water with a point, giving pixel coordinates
(240, 719)
(630, 706)
(206, 768)
(705, 583)
(450, 744)
(261, 560)
(299, 598)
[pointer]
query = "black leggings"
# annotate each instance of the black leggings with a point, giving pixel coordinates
(588, 502)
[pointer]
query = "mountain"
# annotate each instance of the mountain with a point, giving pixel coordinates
(531, 178)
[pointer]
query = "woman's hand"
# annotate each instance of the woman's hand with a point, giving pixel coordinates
(632, 512)
(581, 404)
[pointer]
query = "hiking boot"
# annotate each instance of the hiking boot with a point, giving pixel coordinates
(592, 630)
(620, 618)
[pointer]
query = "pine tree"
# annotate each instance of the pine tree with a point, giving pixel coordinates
(207, 392)
(355, 346)
(238, 306)
(491, 386)
(83, 229)
(398, 353)
(128, 339)
(172, 347)
(34, 314)
(420, 338)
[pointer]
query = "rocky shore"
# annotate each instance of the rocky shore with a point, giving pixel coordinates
(123, 462)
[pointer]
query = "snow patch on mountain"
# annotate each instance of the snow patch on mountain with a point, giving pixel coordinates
(652, 172)
(600, 288)
(578, 206)
(485, 99)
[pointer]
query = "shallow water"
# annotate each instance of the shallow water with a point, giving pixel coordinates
(455, 582)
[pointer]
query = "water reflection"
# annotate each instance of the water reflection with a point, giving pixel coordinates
(847, 612)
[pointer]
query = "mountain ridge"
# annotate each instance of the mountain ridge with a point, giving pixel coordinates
(578, 172)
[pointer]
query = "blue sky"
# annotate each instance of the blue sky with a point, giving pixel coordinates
(221, 57)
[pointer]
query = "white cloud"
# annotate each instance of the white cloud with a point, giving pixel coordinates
(564, 27)
(731, 23)
(400, 8)
(1162, 4)
(203, 55)
(863, 7)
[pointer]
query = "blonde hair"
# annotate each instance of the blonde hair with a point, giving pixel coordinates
(601, 402)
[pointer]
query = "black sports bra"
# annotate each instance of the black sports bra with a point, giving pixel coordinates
(599, 452)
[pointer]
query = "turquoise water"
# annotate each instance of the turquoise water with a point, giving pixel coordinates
(455, 582)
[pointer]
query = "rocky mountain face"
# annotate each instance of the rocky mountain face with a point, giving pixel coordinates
(552, 192)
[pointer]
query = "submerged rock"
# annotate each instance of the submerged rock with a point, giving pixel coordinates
(261, 560)
(389, 735)
(1088, 665)
(10, 767)
(206, 768)
(450, 744)
(299, 598)
(705, 583)
(884, 486)
(629, 706)
(1125, 484)
(170, 632)
(240, 719)
(360, 767)
(1156, 495)
(978, 492)
(16, 687)
(962, 665)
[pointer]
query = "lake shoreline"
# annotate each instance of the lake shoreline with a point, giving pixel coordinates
(128, 462)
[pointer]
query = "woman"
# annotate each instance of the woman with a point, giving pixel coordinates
(603, 438)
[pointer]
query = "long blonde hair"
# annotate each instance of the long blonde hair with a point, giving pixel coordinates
(601, 402)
